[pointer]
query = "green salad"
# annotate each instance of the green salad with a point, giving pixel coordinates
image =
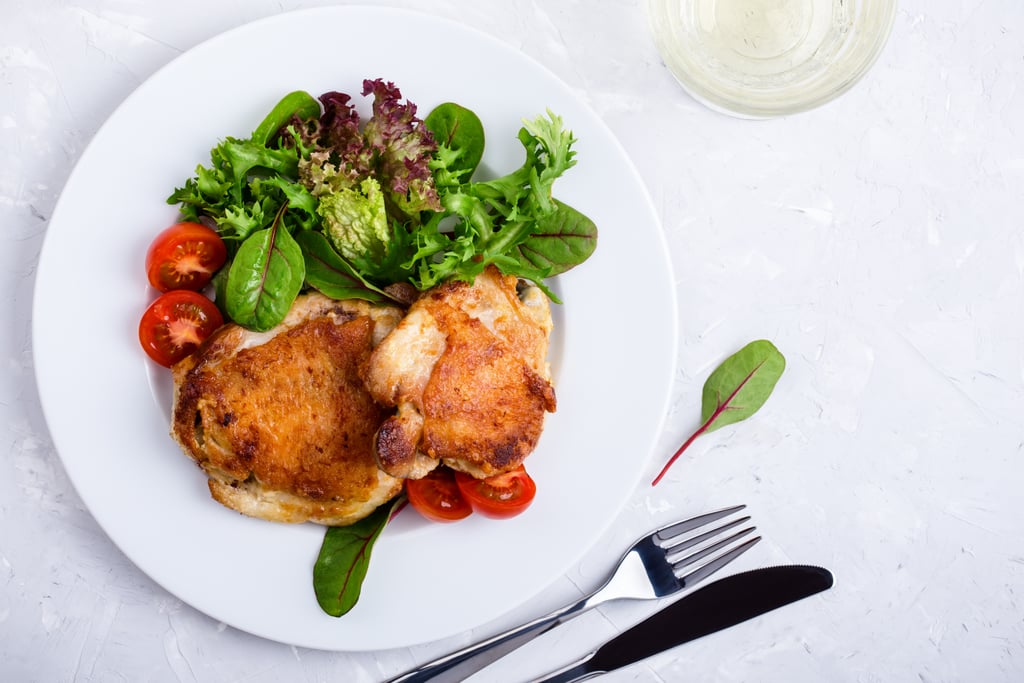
(317, 197)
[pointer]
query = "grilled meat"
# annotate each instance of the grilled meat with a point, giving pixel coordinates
(281, 421)
(467, 374)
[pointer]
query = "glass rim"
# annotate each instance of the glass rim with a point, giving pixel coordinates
(761, 104)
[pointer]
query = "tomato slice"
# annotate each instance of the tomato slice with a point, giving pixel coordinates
(184, 256)
(436, 496)
(501, 496)
(176, 323)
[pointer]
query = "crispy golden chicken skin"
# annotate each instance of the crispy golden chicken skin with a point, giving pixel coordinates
(281, 421)
(466, 371)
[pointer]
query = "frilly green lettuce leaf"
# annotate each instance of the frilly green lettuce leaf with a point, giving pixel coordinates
(356, 222)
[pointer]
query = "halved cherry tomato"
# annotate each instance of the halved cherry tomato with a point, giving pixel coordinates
(436, 496)
(176, 323)
(184, 256)
(500, 496)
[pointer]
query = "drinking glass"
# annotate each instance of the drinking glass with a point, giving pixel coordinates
(765, 58)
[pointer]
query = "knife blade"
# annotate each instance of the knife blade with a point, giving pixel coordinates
(718, 605)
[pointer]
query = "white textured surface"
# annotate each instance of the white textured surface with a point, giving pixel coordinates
(877, 241)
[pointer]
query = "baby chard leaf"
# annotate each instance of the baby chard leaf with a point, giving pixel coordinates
(265, 277)
(735, 390)
(344, 558)
(331, 274)
(558, 241)
(741, 384)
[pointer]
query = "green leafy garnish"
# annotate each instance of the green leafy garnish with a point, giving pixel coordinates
(493, 218)
(735, 390)
(298, 104)
(460, 134)
(560, 240)
(332, 275)
(394, 196)
(265, 277)
(344, 558)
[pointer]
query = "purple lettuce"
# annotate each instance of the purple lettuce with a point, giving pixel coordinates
(393, 146)
(403, 147)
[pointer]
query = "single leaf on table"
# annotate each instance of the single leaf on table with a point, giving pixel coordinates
(344, 558)
(735, 390)
(265, 277)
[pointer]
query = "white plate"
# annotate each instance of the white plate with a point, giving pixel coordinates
(107, 408)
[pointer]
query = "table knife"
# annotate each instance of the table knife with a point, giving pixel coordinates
(718, 605)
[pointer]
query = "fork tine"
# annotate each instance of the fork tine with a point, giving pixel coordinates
(714, 565)
(678, 560)
(673, 530)
(675, 547)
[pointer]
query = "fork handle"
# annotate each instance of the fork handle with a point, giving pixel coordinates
(456, 666)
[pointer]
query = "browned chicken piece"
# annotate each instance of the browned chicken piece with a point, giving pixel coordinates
(467, 372)
(281, 421)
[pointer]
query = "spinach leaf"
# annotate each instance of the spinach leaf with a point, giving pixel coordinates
(559, 241)
(299, 104)
(344, 558)
(735, 390)
(331, 274)
(265, 277)
(459, 130)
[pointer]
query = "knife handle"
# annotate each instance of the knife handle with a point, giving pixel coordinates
(581, 670)
(577, 671)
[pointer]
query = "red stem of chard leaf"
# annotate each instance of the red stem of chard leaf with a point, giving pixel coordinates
(719, 409)
(686, 444)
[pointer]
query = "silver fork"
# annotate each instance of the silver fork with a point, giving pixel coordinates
(663, 562)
